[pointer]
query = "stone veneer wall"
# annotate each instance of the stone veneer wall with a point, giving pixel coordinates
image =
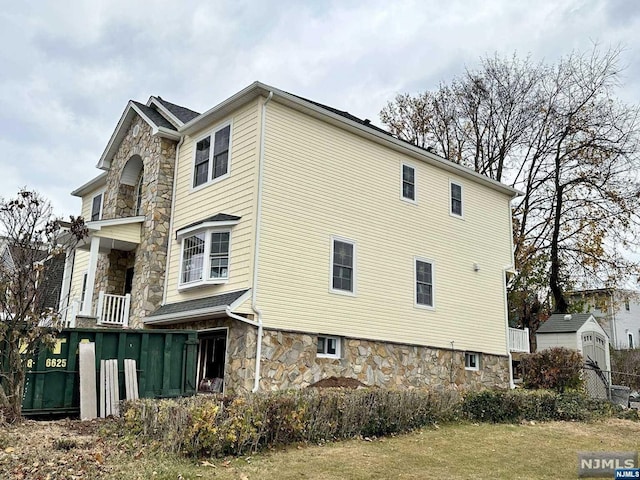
(289, 360)
(158, 158)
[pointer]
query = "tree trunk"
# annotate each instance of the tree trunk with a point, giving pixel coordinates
(559, 302)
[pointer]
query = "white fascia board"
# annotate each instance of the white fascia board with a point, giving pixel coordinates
(167, 113)
(92, 184)
(121, 129)
(98, 224)
(186, 315)
(203, 226)
(105, 159)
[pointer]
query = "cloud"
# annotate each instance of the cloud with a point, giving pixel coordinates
(69, 68)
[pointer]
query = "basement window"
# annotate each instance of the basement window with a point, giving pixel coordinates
(328, 347)
(471, 361)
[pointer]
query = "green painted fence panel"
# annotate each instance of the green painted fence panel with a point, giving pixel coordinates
(165, 363)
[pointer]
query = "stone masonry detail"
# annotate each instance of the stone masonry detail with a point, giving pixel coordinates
(289, 360)
(158, 158)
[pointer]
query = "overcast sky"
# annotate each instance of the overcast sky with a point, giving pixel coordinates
(67, 69)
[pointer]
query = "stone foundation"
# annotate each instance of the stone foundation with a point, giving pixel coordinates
(289, 360)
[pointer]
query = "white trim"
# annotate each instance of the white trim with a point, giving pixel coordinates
(462, 208)
(206, 261)
(338, 353)
(211, 132)
(186, 315)
(413, 201)
(91, 185)
(431, 262)
(167, 113)
(353, 291)
(93, 197)
(477, 358)
(181, 232)
(112, 222)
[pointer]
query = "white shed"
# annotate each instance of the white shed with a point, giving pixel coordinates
(577, 331)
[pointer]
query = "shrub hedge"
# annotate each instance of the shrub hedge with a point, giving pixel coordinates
(510, 406)
(215, 425)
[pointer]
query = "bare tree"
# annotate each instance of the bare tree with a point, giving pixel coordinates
(558, 134)
(32, 239)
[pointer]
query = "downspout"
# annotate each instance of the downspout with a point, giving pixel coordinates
(614, 333)
(506, 322)
(256, 255)
(169, 239)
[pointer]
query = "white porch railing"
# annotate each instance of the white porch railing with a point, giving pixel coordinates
(113, 309)
(519, 340)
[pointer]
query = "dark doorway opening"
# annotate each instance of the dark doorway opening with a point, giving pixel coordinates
(212, 355)
(128, 281)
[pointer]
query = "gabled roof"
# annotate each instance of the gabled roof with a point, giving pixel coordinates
(199, 307)
(158, 123)
(181, 113)
(155, 117)
(184, 121)
(557, 323)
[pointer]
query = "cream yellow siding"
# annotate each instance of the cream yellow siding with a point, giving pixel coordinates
(128, 233)
(321, 181)
(81, 261)
(234, 195)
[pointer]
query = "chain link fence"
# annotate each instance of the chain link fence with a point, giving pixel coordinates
(619, 387)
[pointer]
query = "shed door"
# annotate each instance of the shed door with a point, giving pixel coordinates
(594, 347)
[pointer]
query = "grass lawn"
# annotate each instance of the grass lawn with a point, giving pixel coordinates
(541, 450)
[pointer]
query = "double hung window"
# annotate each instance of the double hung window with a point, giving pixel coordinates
(424, 283)
(211, 159)
(342, 266)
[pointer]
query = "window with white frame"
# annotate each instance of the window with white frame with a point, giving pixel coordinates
(96, 207)
(471, 361)
(342, 266)
(408, 183)
(456, 198)
(205, 257)
(211, 159)
(424, 283)
(139, 194)
(328, 347)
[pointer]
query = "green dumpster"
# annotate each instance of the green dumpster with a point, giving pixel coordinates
(165, 364)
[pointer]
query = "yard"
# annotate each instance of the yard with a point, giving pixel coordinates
(71, 449)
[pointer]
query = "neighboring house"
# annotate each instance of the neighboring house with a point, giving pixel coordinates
(50, 277)
(301, 242)
(617, 310)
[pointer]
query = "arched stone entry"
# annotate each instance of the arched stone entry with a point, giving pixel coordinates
(129, 188)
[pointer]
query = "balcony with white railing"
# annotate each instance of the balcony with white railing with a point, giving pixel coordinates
(113, 310)
(519, 340)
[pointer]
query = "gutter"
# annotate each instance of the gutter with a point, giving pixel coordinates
(171, 215)
(256, 256)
